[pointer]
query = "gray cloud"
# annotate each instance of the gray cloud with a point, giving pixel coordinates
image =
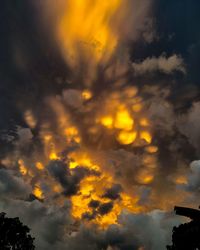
(13, 186)
(151, 231)
(53, 227)
(49, 225)
(24, 136)
(73, 98)
(163, 64)
(189, 125)
(193, 184)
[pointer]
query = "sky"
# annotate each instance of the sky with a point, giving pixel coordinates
(100, 115)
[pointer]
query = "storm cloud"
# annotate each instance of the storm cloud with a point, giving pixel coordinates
(158, 55)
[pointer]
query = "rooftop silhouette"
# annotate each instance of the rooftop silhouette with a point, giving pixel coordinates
(187, 235)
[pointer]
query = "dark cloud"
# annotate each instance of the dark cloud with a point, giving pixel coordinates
(94, 204)
(113, 193)
(105, 208)
(89, 216)
(29, 64)
(69, 181)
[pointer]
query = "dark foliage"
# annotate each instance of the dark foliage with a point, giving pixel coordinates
(14, 235)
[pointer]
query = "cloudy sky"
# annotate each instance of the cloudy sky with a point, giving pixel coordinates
(100, 116)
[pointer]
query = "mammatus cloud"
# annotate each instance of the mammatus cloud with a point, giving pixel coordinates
(135, 172)
(63, 178)
(103, 161)
(163, 64)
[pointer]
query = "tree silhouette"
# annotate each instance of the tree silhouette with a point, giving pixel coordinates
(14, 235)
(187, 236)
